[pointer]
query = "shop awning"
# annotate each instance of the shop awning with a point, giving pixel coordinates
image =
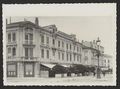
(48, 65)
(65, 65)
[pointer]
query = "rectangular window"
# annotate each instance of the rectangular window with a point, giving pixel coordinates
(62, 56)
(77, 49)
(74, 57)
(67, 56)
(70, 46)
(14, 37)
(70, 57)
(80, 58)
(26, 52)
(9, 37)
(77, 57)
(47, 53)
(62, 44)
(9, 50)
(31, 36)
(58, 43)
(53, 41)
(31, 52)
(42, 39)
(28, 38)
(42, 53)
(58, 55)
(47, 40)
(67, 46)
(14, 51)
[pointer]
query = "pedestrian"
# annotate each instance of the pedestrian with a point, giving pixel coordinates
(103, 73)
(94, 73)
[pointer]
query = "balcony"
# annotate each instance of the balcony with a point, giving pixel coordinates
(14, 43)
(11, 59)
(54, 47)
(28, 43)
(29, 59)
(20, 59)
(44, 45)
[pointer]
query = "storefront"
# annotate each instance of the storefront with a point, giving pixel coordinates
(12, 69)
(28, 69)
(46, 70)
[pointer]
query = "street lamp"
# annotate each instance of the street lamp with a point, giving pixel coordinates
(98, 55)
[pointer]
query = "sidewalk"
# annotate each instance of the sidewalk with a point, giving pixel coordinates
(82, 80)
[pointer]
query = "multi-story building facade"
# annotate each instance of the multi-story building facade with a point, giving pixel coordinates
(107, 62)
(90, 51)
(31, 48)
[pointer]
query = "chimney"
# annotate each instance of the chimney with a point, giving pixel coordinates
(36, 21)
(25, 19)
(82, 41)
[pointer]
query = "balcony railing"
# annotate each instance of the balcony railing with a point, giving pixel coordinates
(10, 58)
(22, 59)
(28, 42)
(29, 59)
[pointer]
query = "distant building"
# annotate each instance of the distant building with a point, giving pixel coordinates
(107, 61)
(90, 50)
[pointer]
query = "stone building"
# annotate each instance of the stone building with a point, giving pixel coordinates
(31, 47)
(90, 51)
(32, 50)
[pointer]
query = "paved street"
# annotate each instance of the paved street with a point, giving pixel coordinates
(86, 80)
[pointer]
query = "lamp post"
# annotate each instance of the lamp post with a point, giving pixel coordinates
(98, 55)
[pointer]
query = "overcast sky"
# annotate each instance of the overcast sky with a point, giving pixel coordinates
(86, 28)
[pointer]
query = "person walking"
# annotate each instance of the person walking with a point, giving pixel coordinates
(94, 73)
(103, 73)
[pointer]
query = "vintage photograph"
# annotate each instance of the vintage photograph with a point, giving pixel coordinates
(59, 49)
